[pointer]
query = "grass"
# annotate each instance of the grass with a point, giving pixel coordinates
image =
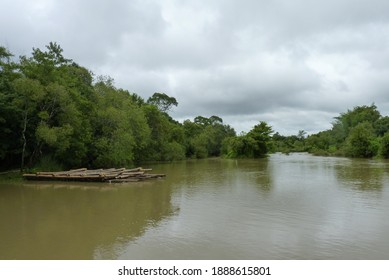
(11, 176)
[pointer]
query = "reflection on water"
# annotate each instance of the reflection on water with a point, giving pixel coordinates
(76, 221)
(362, 174)
(282, 207)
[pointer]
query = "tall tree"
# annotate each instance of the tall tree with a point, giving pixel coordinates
(29, 93)
(262, 134)
(10, 120)
(163, 102)
(121, 132)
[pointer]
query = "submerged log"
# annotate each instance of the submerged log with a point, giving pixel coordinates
(113, 175)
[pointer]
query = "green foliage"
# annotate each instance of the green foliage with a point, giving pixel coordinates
(55, 112)
(359, 141)
(120, 127)
(5, 55)
(345, 122)
(384, 146)
(10, 144)
(321, 143)
(257, 143)
(355, 133)
(56, 137)
(205, 136)
(48, 163)
(160, 136)
(162, 101)
(199, 146)
(292, 143)
(173, 151)
(115, 151)
(381, 126)
(242, 146)
(262, 135)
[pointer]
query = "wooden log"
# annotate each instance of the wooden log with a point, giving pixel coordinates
(77, 170)
(44, 175)
(47, 173)
(102, 175)
(82, 177)
(129, 175)
(132, 173)
(134, 169)
(90, 171)
(147, 169)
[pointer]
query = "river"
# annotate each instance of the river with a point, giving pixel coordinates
(281, 207)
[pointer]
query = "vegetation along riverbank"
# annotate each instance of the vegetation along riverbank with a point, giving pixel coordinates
(56, 115)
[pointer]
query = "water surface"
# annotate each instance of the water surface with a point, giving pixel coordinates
(282, 207)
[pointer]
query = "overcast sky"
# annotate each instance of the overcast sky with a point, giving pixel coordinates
(295, 64)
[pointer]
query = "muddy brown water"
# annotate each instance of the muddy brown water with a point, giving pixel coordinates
(282, 207)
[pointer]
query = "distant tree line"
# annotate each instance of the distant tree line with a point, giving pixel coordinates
(55, 114)
(361, 132)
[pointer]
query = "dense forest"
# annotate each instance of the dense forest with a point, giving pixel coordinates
(56, 114)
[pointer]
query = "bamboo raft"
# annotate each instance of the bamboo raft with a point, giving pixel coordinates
(112, 175)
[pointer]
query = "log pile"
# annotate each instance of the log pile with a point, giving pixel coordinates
(112, 175)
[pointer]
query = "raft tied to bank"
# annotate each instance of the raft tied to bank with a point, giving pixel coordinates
(112, 175)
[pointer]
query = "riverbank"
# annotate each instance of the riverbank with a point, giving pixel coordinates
(11, 175)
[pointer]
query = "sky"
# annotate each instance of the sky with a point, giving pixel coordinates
(295, 64)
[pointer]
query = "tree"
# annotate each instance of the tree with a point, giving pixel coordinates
(10, 120)
(29, 93)
(319, 143)
(301, 135)
(120, 132)
(54, 112)
(62, 119)
(384, 148)
(358, 115)
(359, 141)
(242, 146)
(257, 143)
(160, 132)
(215, 120)
(381, 126)
(262, 134)
(163, 102)
(202, 121)
(205, 136)
(45, 66)
(136, 99)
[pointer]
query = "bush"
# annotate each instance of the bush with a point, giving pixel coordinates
(173, 151)
(384, 146)
(359, 141)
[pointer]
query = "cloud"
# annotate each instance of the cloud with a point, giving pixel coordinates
(296, 64)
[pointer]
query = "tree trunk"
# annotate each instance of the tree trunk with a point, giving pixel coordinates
(24, 140)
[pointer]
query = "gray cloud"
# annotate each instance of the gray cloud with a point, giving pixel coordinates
(295, 64)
